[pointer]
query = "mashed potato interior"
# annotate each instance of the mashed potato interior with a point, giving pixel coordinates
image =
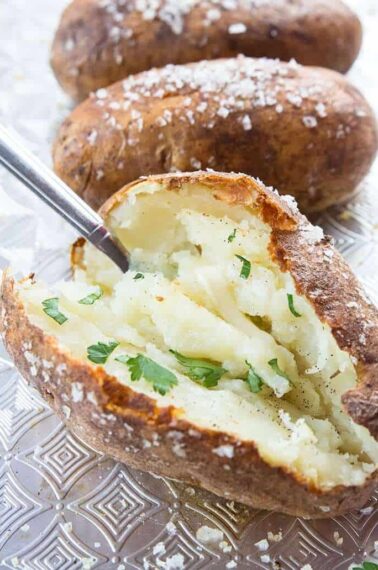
(203, 285)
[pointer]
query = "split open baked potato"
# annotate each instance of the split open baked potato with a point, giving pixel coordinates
(239, 353)
(99, 42)
(305, 131)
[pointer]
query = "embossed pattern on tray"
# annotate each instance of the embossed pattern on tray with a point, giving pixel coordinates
(63, 506)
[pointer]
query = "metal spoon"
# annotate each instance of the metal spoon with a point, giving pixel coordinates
(56, 194)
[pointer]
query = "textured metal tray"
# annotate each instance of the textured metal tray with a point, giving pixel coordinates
(62, 506)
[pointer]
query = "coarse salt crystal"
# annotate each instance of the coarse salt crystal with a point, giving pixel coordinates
(91, 397)
(88, 563)
(92, 137)
(206, 534)
(247, 123)
(101, 93)
(213, 15)
(25, 528)
(262, 545)
(225, 546)
(223, 112)
(69, 45)
(224, 451)
(321, 110)
(237, 29)
(312, 234)
(195, 163)
(171, 528)
(77, 392)
(175, 562)
(366, 511)
(275, 537)
(159, 548)
(310, 121)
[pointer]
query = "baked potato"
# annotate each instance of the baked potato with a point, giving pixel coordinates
(99, 42)
(305, 131)
(239, 353)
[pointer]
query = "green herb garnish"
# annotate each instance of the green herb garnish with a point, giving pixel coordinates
(254, 381)
(246, 267)
(274, 365)
(140, 366)
(100, 352)
(290, 300)
(232, 236)
(366, 566)
(205, 372)
(92, 298)
(51, 308)
(138, 276)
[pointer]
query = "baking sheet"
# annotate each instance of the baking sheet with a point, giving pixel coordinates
(62, 506)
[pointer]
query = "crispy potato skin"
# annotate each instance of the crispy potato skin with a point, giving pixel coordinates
(132, 428)
(92, 49)
(104, 145)
(320, 273)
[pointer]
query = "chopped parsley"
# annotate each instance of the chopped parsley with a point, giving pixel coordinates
(366, 566)
(254, 381)
(202, 371)
(138, 276)
(290, 300)
(232, 236)
(100, 352)
(274, 365)
(246, 267)
(92, 298)
(51, 308)
(140, 366)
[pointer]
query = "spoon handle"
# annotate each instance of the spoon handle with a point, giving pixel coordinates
(56, 194)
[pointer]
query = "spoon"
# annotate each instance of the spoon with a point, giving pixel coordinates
(56, 194)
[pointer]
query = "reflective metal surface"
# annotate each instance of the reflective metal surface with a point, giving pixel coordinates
(62, 506)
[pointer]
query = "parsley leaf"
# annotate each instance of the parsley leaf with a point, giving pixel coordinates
(201, 371)
(232, 236)
(254, 381)
(92, 298)
(290, 300)
(246, 267)
(274, 365)
(140, 366)
(138, 276)
(51, 308)
(100, 352)
(370, 566)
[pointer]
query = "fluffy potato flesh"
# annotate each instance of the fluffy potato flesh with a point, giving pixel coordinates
(204, 285)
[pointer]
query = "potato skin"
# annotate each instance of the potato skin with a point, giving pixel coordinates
(130, 427)
(306, 131)
(96, 45)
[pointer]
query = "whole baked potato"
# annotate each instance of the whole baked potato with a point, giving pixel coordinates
(303, 130)
(99, 42)
(239, 353)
